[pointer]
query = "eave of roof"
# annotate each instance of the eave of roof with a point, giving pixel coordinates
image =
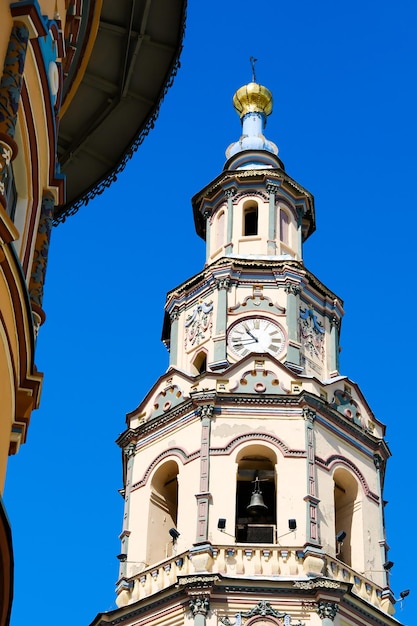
(133, 62)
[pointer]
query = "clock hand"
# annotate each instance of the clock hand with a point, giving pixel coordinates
(249, 333)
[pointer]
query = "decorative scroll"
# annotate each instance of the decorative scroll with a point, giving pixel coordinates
(311, 334)
(198, 324)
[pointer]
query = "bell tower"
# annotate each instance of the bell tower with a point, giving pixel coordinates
(253, 468)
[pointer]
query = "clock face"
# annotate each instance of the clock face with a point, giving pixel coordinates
(256, 334)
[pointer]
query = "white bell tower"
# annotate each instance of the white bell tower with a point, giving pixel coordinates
(253, 469)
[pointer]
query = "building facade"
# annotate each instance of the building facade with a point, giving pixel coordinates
(74, 73)
(253, 469)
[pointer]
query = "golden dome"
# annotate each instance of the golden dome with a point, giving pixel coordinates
(253, 97)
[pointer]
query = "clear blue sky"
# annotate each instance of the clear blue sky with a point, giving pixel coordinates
(343, 76)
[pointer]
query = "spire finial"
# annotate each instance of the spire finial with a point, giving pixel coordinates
(252, 61)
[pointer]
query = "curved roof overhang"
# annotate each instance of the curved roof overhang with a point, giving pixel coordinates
(111, 101)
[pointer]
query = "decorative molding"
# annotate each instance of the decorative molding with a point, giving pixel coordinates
(223, 283)
(327, 609)
(199, 605)
(309, 414)
(254, 436)
(272, 188)
(263, 608)
(292, 289)
(319, 583)
(174, 315)
(251, 193)
(335, 321)
(206, 410)
(338, 459)
(130, 450)
(199, 581)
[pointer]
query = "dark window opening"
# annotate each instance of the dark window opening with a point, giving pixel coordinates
(250, 226)
(200, 363)
(255, 501)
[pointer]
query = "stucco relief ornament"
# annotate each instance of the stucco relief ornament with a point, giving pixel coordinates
(199, 323)
(199, 605)
(327, 609)
(264, 609)
(311, 333)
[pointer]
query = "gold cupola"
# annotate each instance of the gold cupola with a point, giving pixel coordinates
(253, 104)
(253, 98)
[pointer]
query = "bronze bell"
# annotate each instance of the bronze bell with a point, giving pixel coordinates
(256, 504)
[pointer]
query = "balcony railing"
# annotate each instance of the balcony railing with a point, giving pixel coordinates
(243, 560)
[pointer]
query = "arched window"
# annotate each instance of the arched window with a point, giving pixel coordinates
(250, 220)
(284, 227)
(345, 509)
(219, 232)
(200, 363)
(163, 512)
(256, 515)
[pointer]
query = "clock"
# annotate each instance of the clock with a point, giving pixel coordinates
(256, 334)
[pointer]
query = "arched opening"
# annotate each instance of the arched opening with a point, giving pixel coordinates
(250, 220)
(219, 231)
(345, 508)
(256, 515)
(163, 511)
(200, 363)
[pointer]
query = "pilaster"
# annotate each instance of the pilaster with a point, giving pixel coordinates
(229, 228)
(219, 340)
(312, 501)
(334, 346)
(173, 350)
(293, 351)
(272, 219)
(203, 497)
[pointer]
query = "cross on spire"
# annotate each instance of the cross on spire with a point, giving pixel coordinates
(252, 61)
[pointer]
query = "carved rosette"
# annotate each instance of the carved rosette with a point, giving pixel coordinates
(199, 324)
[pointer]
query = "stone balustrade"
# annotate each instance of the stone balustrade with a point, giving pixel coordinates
(249, 561)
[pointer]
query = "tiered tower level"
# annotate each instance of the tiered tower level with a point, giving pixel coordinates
(253, 470)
